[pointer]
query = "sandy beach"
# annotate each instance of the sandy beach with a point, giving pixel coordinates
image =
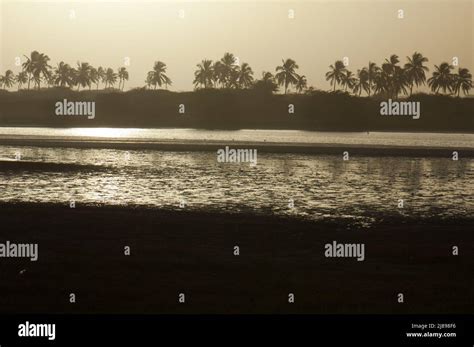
(81, 251)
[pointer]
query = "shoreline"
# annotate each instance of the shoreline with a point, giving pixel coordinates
(39, 126)
(263, 147)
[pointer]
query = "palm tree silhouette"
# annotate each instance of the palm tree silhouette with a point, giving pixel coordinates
(233, 79)
(21, 78)
(462, 81)
(245, 76)
(372, 72)
(64, 75)
(51, 78)
(392, 77)
(286, 74)
(83, 75)
(361, 82)
(204, 75)
(336, 74)
(157, 76)
(8, 80)
(94, 77)
(100, 76)
(228, 67)
(442, 78)
(110, 77)
(35, 66)
(381, 82)
(149, 79)
(348, 80)
(123, 76)
(219, 77)
(415, 70)
(301, 83)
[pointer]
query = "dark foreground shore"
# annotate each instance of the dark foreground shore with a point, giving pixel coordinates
(81, 251)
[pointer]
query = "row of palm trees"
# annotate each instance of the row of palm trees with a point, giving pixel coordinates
(391, 79)
(228, 73)
(36, 70)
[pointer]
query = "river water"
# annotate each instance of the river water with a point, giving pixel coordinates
(319, 186)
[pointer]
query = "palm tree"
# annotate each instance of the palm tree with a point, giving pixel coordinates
(110, 77)
(286, 74)
(21, 79)
(40, 67)
(64, 75)
(204, 75)
(388, 73)
(28, 66)
(381, 82)
(8, 80)
(51, 78)
(219, 76)
(301, 83)
(442, 78)
(83, 75)
(158, 76)
(372, 72)
(462, 81)
(228, 67)
(149, 79)
(123, 76)
(100, 76)
(393, 77)
(94, 75)
(361, 82)
(233, 78)
(245, 76)
(348, 80)
(336, 74)
(415, 70)
(35, 66)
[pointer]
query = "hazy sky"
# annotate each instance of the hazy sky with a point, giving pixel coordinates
(260, 33)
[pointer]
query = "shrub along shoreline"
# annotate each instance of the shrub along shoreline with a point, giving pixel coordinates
(234, 109)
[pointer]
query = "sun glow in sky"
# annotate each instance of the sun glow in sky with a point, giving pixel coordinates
(182, 33)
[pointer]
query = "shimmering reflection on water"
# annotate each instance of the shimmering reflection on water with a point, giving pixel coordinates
(321, 186)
